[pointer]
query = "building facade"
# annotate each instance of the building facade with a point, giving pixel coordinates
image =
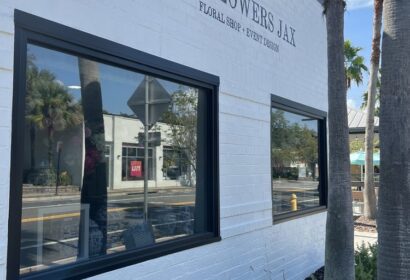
(236, 186)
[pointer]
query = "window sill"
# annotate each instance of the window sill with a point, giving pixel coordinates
(281, 218)
(108, 263)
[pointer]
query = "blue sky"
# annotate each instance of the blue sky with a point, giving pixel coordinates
(117, 84)
(358, 29)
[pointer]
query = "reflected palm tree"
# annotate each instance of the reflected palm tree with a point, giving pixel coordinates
(49, 107)
(94, 187)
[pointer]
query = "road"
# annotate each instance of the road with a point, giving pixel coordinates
(50, 228)
(306, 192)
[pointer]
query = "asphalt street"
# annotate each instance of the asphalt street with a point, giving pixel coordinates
(50, 227)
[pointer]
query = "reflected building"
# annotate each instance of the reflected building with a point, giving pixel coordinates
(167, 166)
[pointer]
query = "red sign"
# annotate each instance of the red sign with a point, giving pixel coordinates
(136, 168)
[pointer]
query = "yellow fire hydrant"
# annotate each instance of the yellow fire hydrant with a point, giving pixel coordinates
(294, 202)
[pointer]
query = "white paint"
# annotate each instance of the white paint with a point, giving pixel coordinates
(251, 247)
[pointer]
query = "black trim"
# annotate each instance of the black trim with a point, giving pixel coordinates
(284, 104)
(294, 107)
(108, 263)
(61, 32)
(33, 29)
(17, 138)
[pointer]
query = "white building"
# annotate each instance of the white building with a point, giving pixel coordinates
(246, 60)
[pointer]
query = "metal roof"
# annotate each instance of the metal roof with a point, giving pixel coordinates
(357, 119)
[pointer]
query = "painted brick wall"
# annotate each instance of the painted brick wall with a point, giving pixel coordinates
(251, 248)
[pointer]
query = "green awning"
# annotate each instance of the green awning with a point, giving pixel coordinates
(359, 158)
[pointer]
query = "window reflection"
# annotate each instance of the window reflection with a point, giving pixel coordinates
(84, 165)
(295, 170)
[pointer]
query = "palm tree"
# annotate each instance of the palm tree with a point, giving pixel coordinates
(49, 107)
(365, 97)
(34, 76)
(369, 195)
(394, 199)
(354, 64)
(339, 252)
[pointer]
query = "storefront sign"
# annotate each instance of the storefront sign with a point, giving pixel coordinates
(269, 23)
(136, 168)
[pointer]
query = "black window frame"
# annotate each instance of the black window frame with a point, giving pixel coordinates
(42, 32)
(278, 102)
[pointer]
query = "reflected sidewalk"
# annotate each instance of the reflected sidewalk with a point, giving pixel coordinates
(361, 237)
(34, 197)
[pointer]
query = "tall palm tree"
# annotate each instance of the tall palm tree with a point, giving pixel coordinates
(339, 252)
(354, 64)
(365, 97)
(49, 106)
(34, 76)
(369, 195)
(394, 196)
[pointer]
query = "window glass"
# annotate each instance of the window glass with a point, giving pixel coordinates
(133, 166)
(295, 167)
(175, 165)
(132, 152)
(84, 160)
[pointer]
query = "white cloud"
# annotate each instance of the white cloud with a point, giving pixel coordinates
(358, 4)
(351, 103)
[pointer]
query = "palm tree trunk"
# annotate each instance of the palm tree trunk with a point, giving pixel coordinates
(94, 187)
(394, 195)
(50, 147)
(369, 195)
(339, 252)
(32, 146)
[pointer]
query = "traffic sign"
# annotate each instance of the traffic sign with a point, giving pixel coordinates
(154, 138)
(149, 92)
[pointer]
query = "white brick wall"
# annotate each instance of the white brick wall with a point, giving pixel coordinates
(251, 247)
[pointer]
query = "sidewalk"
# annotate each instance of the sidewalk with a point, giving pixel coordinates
(361, 237)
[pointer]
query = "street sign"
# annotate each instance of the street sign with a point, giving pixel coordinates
(154, 138)
(149, 101)
(139, 235)
(152, 93)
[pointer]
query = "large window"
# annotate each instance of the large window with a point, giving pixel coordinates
(90, 131)
(298, 149)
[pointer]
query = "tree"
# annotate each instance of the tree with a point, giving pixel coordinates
(187, 120)
(369, 195)
(354, 64)
(182, 120)
(377, 103)
(282, 141)
(292, 143)
(394, 195)
(49, 107)
(34, 75)
(339, 252)
(357, 145)
(308, 148)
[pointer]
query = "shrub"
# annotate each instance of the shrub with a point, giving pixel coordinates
(65, 178)
(366, 262)
(42, 177)
(291, 173)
